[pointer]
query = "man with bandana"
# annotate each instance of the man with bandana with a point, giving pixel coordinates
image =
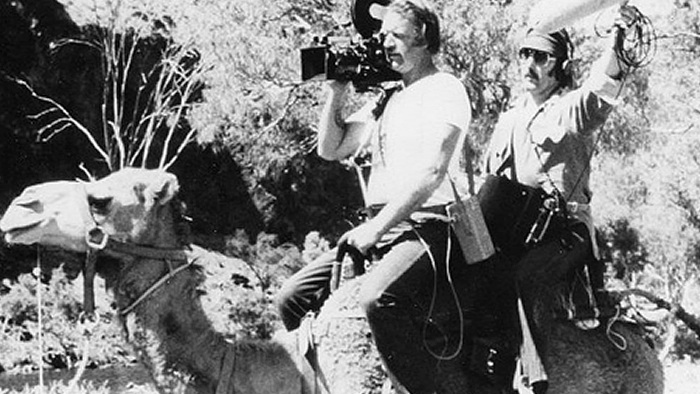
(545, 141)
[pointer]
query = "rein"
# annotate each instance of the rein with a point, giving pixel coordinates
(98, 241)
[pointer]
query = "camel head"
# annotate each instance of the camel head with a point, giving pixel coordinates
(130, 205)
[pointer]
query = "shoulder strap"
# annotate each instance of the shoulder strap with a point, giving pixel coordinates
(469, 170)
(377, 112)
(454, 188)
(510, 162)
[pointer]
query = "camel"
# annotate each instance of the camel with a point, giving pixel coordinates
(131, 221)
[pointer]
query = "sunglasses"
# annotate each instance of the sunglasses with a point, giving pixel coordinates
(539, 57)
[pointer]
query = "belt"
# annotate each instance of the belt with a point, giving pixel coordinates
(574, 207)
(434, 209)
(374, 209)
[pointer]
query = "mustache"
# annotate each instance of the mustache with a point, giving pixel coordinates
(532, 74)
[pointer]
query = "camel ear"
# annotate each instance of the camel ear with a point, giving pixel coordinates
(163, 189)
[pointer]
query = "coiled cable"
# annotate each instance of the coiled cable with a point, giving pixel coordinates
(635, 45)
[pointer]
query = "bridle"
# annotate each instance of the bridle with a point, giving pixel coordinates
(98, 241)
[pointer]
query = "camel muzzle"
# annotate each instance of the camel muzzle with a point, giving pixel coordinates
(49, 214)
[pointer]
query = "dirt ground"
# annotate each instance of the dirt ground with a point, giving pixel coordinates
(682, 377)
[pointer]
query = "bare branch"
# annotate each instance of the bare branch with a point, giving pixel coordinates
(66, 117)
(189, 138)
(679, 130)
(53, 131)
(88, 174)
(58, 44)
(678, 35)
(171, 132)
(185, 90)
(119, 109)
(42, 114)
(289, 103)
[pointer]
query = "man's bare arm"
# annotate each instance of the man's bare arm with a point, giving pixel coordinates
(337, 138)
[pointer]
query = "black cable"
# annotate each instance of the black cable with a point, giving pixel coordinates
(635, 46)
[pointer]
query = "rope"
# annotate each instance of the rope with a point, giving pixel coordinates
(615, 338)
(154, 287)
(37, 273)
(87, 332)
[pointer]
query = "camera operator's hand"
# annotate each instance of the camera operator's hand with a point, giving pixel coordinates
(625, 18)
(362, 237)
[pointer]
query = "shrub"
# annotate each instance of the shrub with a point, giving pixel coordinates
(63, 333)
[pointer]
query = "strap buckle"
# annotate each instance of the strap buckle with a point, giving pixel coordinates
(96, 238)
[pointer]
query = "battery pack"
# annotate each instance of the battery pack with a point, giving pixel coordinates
(468, 223)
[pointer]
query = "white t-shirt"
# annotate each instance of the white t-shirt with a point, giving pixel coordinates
(400, 137)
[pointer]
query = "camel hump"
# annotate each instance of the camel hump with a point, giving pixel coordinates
(346, 354)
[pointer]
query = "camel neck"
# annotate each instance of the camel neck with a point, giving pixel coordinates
(169, 324)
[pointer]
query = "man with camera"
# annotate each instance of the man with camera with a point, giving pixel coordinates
(544, 142)
(414, 144)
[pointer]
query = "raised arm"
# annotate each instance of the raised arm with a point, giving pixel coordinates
(338, 138)
(611, 64)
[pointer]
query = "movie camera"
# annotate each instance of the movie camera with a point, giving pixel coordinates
(361, 61)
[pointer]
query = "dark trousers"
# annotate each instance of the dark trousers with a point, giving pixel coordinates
(552, 278)
(408, 300)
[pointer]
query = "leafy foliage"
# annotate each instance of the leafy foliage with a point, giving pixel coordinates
(62, 333)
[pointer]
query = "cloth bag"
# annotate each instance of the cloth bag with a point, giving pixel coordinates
(510, 209)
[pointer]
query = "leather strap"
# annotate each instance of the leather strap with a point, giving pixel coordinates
(227, 371)
(98, 240)
(145, 251)
(88, 283)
